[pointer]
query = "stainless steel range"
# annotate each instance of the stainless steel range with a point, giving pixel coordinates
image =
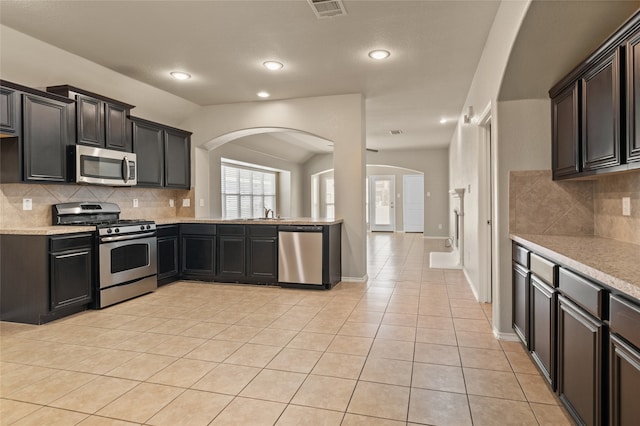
(127, 250)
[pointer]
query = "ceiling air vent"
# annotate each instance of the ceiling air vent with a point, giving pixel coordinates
(395, 132)
(327, 8)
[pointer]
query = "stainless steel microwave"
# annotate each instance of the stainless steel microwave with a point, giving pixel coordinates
(100, 166)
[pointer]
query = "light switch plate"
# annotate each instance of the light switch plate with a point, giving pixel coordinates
(626, 206)
(172, 203)
(201, 202)
(135, 202)
(186, 202)
(27, 204)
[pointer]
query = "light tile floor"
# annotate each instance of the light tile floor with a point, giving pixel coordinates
(410, 346)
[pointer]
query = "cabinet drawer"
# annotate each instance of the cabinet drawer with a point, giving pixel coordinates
(262, 231)
(198, 229)
(231, 230)
(544, 269)
(71, 242)
(520, 255)
(167, 231)
(588, 295)
(625, 319)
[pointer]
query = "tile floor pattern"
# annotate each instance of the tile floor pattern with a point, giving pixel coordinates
(411, 346)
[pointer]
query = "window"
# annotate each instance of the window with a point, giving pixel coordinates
(247, 192)
(331, 202)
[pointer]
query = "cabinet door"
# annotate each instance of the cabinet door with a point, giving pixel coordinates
(580, 368)
(198, 255)
(633, 100)
(46, 136)
(167, 257)
(565, 133)
(89, 121)
(520, 314)
(9, 112)
(177, 149)
(542, 335)
(262, 260)
(71, 282)
(148, 145)
(231, 257)
(624, 382)
(601, 115)
(115, 124)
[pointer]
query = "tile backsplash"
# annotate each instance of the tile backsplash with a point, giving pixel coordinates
(539, 205)
(152, 203)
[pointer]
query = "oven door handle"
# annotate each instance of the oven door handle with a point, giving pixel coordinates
(127, 237)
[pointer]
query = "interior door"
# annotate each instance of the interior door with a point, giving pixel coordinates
(382, 209)
(413, 206)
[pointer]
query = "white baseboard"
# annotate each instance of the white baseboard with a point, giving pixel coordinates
(474, 290)
(433, 237)
(362, 279)
(508, 337)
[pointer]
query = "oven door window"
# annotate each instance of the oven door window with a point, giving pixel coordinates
(130, 256)
(99, 167)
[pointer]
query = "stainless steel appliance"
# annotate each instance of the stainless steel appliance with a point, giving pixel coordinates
(127, 250)
(300, 254)
(103, 166)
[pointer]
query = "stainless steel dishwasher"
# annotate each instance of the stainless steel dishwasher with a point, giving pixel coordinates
(300, 254)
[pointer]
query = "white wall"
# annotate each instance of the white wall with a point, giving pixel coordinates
(464, 158)
(34, 63)
(336, 118)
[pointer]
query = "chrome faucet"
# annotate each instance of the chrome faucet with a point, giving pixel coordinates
(266, 213)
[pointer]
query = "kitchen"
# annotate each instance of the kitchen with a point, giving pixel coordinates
(213, 121)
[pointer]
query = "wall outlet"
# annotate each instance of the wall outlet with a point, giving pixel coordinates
(135, 202)
(439, 226)
(428, 194)
(172, 203)
(186, 202)
(201, 202)
(27, 204)
(626, 206)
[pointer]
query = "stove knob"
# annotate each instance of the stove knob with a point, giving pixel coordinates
(142, 227)
(148, 226)
(109, 231)
(117, 230)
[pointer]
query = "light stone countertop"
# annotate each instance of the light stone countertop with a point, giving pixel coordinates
(613, 263)
(59, 229)
(46, 230)
(281, 221)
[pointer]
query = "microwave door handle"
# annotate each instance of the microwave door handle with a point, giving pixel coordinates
(125, 169)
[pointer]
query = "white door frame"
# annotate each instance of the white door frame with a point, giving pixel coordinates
(486, 209)
(372, 203)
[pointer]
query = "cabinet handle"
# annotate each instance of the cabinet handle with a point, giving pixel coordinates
(82, 253)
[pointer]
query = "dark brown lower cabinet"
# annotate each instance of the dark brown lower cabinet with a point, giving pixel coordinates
(542, 330)
(624, 382)
(521, 302)
(581, 361)
(168, 253)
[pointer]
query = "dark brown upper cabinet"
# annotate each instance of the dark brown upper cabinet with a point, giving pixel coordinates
(10, 114)
(590, 106)
(633, 100)
(566, 133)
(163, 154)
(39, 129)
(601, 115)
(100, 121)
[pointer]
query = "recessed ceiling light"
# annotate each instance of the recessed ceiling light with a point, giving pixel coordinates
(178, 75)
(273, 65)
(379, 54)
(443, 120)
(263, 94)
